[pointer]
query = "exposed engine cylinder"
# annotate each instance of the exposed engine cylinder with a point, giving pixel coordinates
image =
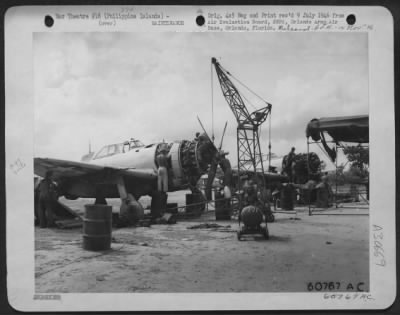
(195, 157)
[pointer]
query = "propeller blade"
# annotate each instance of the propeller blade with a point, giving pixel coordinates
(223, 134)
(211, 176)
(204, 129)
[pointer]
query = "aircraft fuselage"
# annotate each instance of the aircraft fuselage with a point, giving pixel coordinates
(186, 163)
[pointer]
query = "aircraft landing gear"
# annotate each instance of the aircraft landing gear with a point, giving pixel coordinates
(131, 211)
(270, 217)
(100, 201)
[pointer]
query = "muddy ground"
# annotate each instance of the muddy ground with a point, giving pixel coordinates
(175, 258)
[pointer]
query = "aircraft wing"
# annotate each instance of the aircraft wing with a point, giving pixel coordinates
(63, 169)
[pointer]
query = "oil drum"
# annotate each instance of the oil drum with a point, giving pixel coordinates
(158, 204)
(287, 197)
(172, 208)
(222, 207)
(322, 196)
(97, 229)
(194, 203)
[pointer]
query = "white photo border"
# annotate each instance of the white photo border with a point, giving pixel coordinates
(22, 22)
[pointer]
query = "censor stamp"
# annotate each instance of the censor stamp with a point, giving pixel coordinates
(203, 157)
(47, 297)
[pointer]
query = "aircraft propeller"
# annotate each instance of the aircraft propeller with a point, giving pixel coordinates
(216, 159)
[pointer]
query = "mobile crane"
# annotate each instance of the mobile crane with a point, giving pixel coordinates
(249, 155)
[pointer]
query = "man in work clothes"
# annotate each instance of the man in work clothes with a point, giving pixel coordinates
(162, 161)
(251, 193)
(290, 164)
(47, 196)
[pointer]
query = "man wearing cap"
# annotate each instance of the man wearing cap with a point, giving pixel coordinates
(162, 161)
(47, 195)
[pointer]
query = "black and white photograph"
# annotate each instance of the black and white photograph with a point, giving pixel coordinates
(202, 162)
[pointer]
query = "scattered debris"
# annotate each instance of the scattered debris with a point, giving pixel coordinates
(144, 223)
(208, 226)
(167, 218)
(69, 223)
(128, 241)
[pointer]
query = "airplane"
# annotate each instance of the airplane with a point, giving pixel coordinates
(128, 170)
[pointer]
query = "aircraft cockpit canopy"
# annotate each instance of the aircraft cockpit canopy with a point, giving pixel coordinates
(118, 148)
(109, 150)
(134, 143)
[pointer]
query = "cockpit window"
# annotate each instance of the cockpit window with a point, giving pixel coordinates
(113, 149)
(109, 150)
(102, 153)
(136, 144)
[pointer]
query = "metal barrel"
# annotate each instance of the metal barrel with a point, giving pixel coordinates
(158, 204)
(322, 197)
(97, 227)
(222, 207)
(194, 203)
(287, 197)
(172, 208)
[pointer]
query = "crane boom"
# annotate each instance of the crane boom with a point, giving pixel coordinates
(235, 101)
(231, 94)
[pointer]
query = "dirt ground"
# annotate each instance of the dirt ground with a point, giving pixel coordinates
(174, 258)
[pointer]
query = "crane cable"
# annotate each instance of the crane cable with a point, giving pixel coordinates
(270, 113)
(212, 104)
(247, 100)
(227, 73)
(250, 90)
(269, 142)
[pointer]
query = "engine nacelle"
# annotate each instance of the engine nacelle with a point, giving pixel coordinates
(189, 160)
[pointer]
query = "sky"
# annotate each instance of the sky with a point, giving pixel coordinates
(108, 87)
